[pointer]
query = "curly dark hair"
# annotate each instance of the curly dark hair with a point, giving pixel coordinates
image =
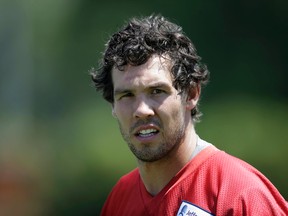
(141, 38)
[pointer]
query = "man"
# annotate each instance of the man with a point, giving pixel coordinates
(152, 76)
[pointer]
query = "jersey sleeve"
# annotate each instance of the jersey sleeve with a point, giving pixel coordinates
(124, 197)
(111, 203)
(258, 201)
(246, 191)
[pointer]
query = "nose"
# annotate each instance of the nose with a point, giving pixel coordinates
(143, 108)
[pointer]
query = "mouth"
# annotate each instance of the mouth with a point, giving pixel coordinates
(147, 132)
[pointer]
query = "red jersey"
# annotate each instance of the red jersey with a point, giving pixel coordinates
(212, 183)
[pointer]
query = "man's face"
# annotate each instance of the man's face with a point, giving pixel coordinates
(152, 116)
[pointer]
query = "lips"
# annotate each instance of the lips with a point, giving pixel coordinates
(147, 132)
(146, 129)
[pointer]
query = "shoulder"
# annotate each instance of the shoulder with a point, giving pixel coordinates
(242, 184)
(121, 195)
(127, 181)
(234, 172)
(233, 168)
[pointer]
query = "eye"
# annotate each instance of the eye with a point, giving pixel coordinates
(157, 91)
(128, 94)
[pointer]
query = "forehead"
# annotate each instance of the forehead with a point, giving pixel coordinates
(154, 70)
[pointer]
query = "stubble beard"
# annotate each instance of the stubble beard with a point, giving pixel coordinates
(148, 153)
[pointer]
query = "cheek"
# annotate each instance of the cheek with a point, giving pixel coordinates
(172, 107)
(122, 112)
(170, 116)
(178, 113)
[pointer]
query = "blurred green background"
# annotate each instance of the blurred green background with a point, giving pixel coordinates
(60, 149)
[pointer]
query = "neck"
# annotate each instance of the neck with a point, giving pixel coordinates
(156, 175)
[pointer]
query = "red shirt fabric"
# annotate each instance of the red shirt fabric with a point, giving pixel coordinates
(213, 180)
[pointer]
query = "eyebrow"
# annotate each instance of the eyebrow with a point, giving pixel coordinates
(119, 91)
(159, 85)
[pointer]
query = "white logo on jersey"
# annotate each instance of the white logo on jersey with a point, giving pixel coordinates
(188, 209)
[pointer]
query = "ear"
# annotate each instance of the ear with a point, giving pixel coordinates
(192, 97)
